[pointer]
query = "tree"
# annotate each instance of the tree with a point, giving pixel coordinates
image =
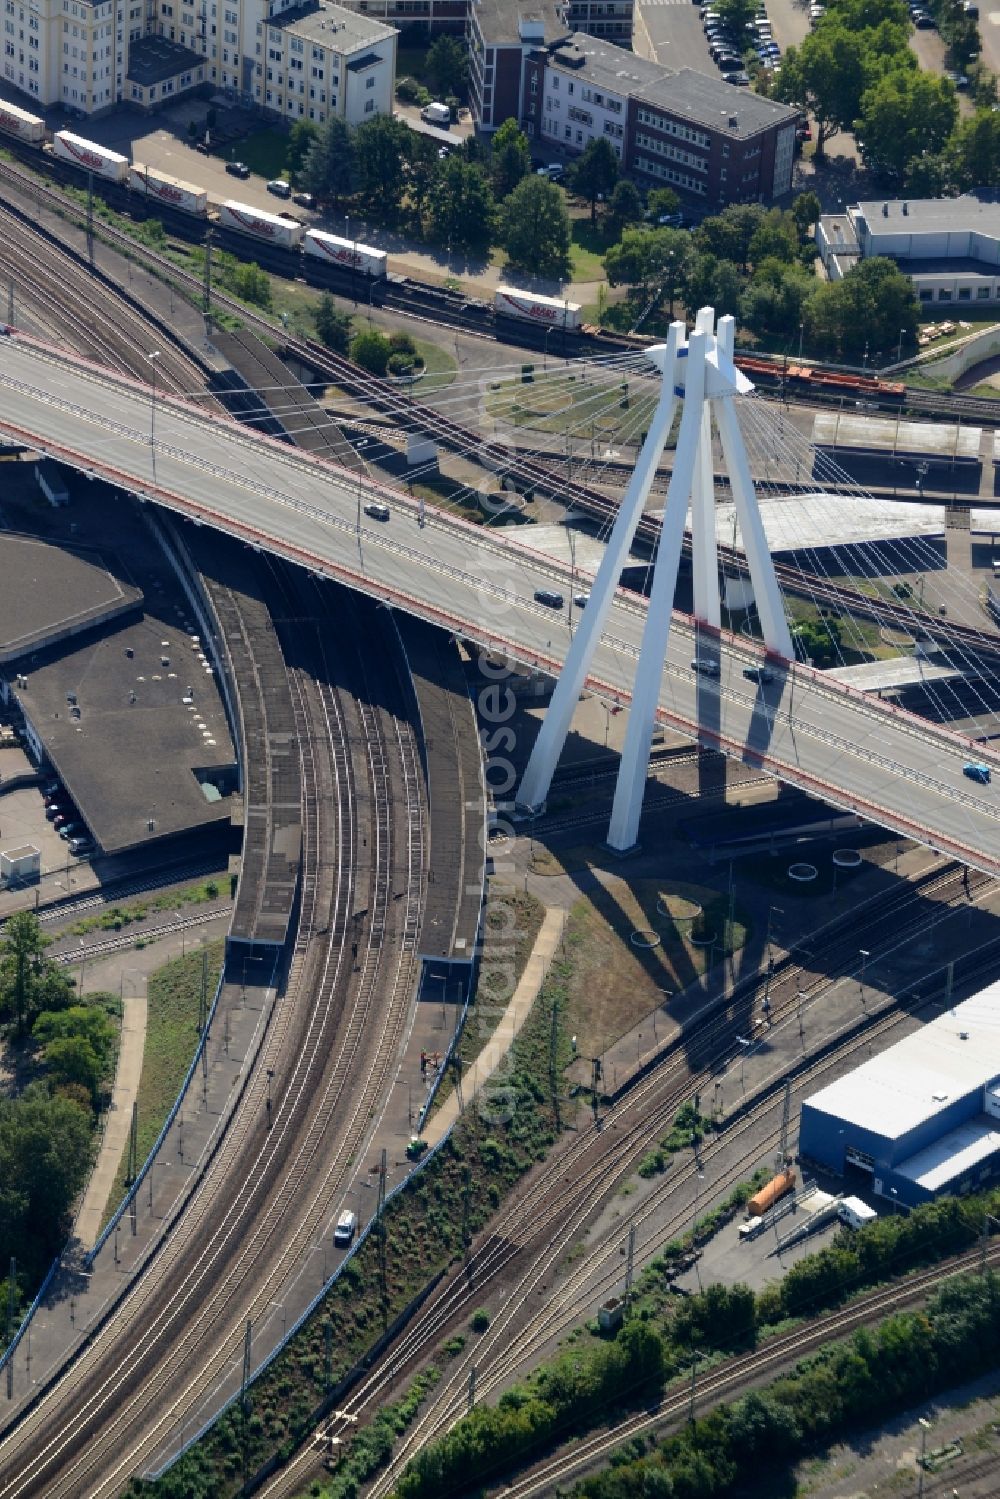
(372, 351)
(775, 238)
(462, 211)
(773, 302)
(805, 211)
(727, 235)
(382, 148)
(446, 66)
(736, 15)
(250, 283)
(535, 228)
(625, 207)
(661, 201)
(659, 257)
(300, 140)
(828, 74)
(44, 1155)
(510, 158)
(333, 327)
(594, 173)
(906, 114)
(329, 167)
(29, 982)
(712, 282)
(976, 150)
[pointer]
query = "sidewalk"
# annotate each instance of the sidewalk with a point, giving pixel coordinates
(516, 1013)
(116, 1131)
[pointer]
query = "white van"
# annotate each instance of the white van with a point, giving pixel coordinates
(436, 114)
(344, 1232)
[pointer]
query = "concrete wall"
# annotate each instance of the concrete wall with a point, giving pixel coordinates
(976, 347)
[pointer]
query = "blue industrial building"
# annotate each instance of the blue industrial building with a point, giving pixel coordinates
(920, 1119)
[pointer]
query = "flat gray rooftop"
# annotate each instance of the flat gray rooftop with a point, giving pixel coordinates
(890, 437)
(924, 215)
(152, 59)
(131, 756)
(53, 590)
(332, 26)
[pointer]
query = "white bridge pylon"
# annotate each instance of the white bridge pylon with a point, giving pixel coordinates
(698, 370)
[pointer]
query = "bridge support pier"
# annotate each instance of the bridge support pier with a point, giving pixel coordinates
(697, 369)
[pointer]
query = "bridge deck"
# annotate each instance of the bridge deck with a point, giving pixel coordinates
(869, 756)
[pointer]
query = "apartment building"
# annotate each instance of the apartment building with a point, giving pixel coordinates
(68, 52)
(315, 62)
(690, 131)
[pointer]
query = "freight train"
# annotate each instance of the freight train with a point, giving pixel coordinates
(286, 245)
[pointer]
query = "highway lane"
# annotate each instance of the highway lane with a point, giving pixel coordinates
(857, 752)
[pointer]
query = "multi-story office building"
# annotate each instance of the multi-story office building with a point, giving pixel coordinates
(686, 130)
(607, 18)
(69, 52)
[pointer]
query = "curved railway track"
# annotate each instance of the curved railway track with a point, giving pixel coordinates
(100, 323)
(276, 1176)
(551, 1209)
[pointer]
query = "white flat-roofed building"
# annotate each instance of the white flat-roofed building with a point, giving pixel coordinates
(949, 247)
(922, 1117)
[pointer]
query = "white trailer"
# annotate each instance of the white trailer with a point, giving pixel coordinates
(854, 1212)
(20, 123)
(167, 190)
(436, 114)
(261, 225)
(89, 156)
(550, 312)
(346, 253)
(20, 866)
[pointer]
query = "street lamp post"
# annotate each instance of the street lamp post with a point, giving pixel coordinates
(802, 329)
(925, 1427)
(152, 358)
(745, 1044)
(865, 955)
(899, 346)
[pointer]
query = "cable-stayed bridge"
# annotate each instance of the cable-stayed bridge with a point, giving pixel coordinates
(891, 767)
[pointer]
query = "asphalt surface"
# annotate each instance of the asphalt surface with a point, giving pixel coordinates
(894, 769)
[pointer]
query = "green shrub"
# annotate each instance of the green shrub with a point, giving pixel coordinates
(480, 1320)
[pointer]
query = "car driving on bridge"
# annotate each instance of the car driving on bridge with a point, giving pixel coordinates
(377, 510)
(976, 771)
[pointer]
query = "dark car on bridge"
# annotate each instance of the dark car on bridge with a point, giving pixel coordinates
(976, 771)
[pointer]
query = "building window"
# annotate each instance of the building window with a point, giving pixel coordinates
(369, 83)
(944, 294)
(965, 294)
(983, 293)
(369, 106)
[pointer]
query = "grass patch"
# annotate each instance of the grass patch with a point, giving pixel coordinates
(622, 984)
(116, 917)
(440, 368)
(511, 924)
(264, 151)
(588, 247)
(173, 1000)
(582, 405)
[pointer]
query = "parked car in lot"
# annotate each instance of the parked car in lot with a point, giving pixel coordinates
(549, 597)
(71, 830)
(81, 847)
(279, 187)
(238, 169)
(304, 200)
(377, 510)
(738, 79)
(976, 771)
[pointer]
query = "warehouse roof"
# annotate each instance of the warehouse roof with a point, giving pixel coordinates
(929, 215)
(892, 437)
(947, 1059)
(954, 1155)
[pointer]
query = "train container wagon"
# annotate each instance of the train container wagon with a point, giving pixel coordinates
(771, 1193)
(345, 253)
(261, 225)
(19, 122)
(550, 312)
(89, 156)
(167, 190)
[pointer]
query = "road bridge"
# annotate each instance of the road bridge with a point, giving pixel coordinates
(870, 757)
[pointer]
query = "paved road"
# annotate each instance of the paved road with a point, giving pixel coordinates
(893, 768)
(670, 32)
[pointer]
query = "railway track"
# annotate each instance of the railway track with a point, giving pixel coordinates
(250, 1225)
(552, 1208)
(100, 323)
